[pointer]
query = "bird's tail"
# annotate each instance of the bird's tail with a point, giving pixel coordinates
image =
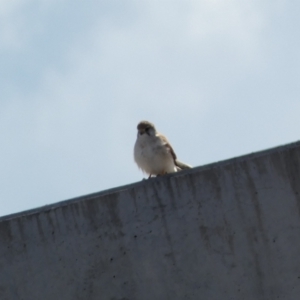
(181, 166)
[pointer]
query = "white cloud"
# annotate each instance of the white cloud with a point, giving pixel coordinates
(20, 21)
(9, 6)
(141, 67)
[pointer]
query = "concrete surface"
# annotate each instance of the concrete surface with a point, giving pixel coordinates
(229, 230)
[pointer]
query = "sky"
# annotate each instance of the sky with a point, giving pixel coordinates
(219, 78)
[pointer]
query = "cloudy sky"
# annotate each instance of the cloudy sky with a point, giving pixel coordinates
(219, 78)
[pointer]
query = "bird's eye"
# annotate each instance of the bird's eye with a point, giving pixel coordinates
(147, 130)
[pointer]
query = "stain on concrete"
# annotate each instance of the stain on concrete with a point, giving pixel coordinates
(5, 232)
(162, 209)
(252, 191)
(292, 164)
(205, 236)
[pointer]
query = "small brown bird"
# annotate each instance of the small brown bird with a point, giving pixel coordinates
(153, 153)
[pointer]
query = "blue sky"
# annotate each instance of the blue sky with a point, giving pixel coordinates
(219, 78)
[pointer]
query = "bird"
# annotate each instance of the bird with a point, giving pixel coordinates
(153, 153)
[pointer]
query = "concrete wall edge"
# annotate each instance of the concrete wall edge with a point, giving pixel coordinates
(87, 197)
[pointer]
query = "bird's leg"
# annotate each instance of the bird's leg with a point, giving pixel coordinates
(149, 176)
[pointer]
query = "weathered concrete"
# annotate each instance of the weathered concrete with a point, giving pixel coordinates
(229, 230)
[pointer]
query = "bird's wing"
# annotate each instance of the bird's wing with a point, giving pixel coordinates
(180, 165)
(169, 147)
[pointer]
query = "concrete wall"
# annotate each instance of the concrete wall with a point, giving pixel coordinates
(230, 230)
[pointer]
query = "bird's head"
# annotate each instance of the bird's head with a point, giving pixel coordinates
(146, 127)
